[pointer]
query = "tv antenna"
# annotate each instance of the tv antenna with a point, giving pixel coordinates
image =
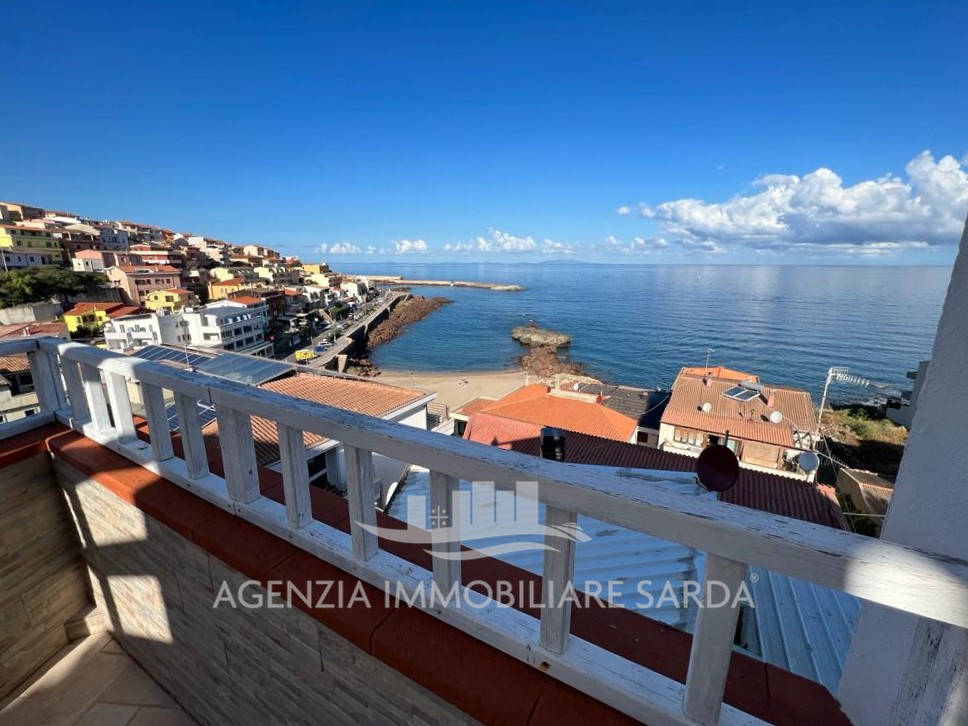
(709, 351)
(840, 374)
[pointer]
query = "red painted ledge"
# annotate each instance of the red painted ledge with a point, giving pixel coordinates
(432, 653)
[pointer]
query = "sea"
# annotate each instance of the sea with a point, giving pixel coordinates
(639, 324)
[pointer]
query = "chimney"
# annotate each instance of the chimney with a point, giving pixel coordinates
(552, 443)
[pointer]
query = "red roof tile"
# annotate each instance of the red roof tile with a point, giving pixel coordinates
(14, 363)
(785, 496)
(22, 330)
(748, 420)
(85, 308)
(538, 404)
(730, 374)
(366, 397)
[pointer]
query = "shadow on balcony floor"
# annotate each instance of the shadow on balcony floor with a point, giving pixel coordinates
(92, 683)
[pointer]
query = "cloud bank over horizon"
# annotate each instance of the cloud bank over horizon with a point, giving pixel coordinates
(816, 213)
(781, 216)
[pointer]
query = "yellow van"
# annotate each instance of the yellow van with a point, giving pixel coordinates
(306, 354)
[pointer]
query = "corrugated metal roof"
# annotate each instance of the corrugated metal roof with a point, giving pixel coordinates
(799, 626)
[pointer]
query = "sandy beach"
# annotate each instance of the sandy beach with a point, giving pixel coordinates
(447, 386)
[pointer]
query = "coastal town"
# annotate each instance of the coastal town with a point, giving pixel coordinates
(248, 314)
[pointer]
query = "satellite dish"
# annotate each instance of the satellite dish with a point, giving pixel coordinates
(707, 407)
(776, 417)
(717, 468)
(808, 461)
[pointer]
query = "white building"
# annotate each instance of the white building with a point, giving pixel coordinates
(227, 325)
(901, 411)
(137, 331)
(88, 261)
(114, 239)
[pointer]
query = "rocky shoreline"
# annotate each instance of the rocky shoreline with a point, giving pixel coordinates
(405, 313)
(534, 337)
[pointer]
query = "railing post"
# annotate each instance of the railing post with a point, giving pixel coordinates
(238, 454)
(153, 398)
(75, 391)
(45, 380)
(361, 496)
(193, 442)
(445, 530)
(295, 476)
(557, 572)
(97, 404)
(712, 644)
(120, 400)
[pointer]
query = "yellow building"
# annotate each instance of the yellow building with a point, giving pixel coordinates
(95, 314)
(223, 288)
(171, 300)
(314, 268)
(22, 247)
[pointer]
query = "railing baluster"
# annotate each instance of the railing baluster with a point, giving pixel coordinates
(75, 391)
(193, 443)
(45, 384)
(445, 529)
(557, 572)
(97, 404)
(712, 644)
(361, 495)
(238, 454)
(120, 400)
(153, 398)
(295, 476)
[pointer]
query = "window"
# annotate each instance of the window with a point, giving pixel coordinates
(688, 436)
(30, 411)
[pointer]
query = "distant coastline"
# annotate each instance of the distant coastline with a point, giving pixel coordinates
(397, 280)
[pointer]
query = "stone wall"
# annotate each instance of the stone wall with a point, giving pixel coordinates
(227, 665)
(42, 582)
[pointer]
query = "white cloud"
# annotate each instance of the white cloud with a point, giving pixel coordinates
(338, 248)
(497, 241)
(550, 247)
(410, 246)
(638, 246)
(817, 212)
(624, 210)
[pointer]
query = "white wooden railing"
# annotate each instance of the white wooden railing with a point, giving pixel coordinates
(86, 388)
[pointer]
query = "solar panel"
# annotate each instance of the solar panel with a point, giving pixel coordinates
(248, 369)
(740, 394)
(206, 414)
(160, 353)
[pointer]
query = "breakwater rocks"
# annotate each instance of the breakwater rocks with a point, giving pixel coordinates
(545, 363)
(405, 313)
(396, 280)
(534, 337)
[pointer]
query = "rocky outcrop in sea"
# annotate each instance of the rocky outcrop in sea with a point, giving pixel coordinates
(534, 337)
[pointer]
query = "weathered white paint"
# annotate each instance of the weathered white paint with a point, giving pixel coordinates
(117, 387)
(97, 404)
(295, 476)
(558, 572)
(903, 669)
(153, 399)
(193, 442)
(238, 454)
(712, 643)
(445, 517)
(361, 497)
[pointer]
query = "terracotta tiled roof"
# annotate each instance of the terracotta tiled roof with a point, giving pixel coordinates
(748, 420)
(14, 363)
(474, 405)
(248, 300)
(782, 495)
(538, 404)
(88, 255)
(230, 281)
(730, 374)
(22, 330)
(126, 310)
(85, 308)
(366, 397)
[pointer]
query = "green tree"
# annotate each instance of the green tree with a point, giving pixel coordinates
(22, 287)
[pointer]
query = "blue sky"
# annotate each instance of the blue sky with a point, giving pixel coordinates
(501, 130)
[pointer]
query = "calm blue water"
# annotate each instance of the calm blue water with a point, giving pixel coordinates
(638, 324)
